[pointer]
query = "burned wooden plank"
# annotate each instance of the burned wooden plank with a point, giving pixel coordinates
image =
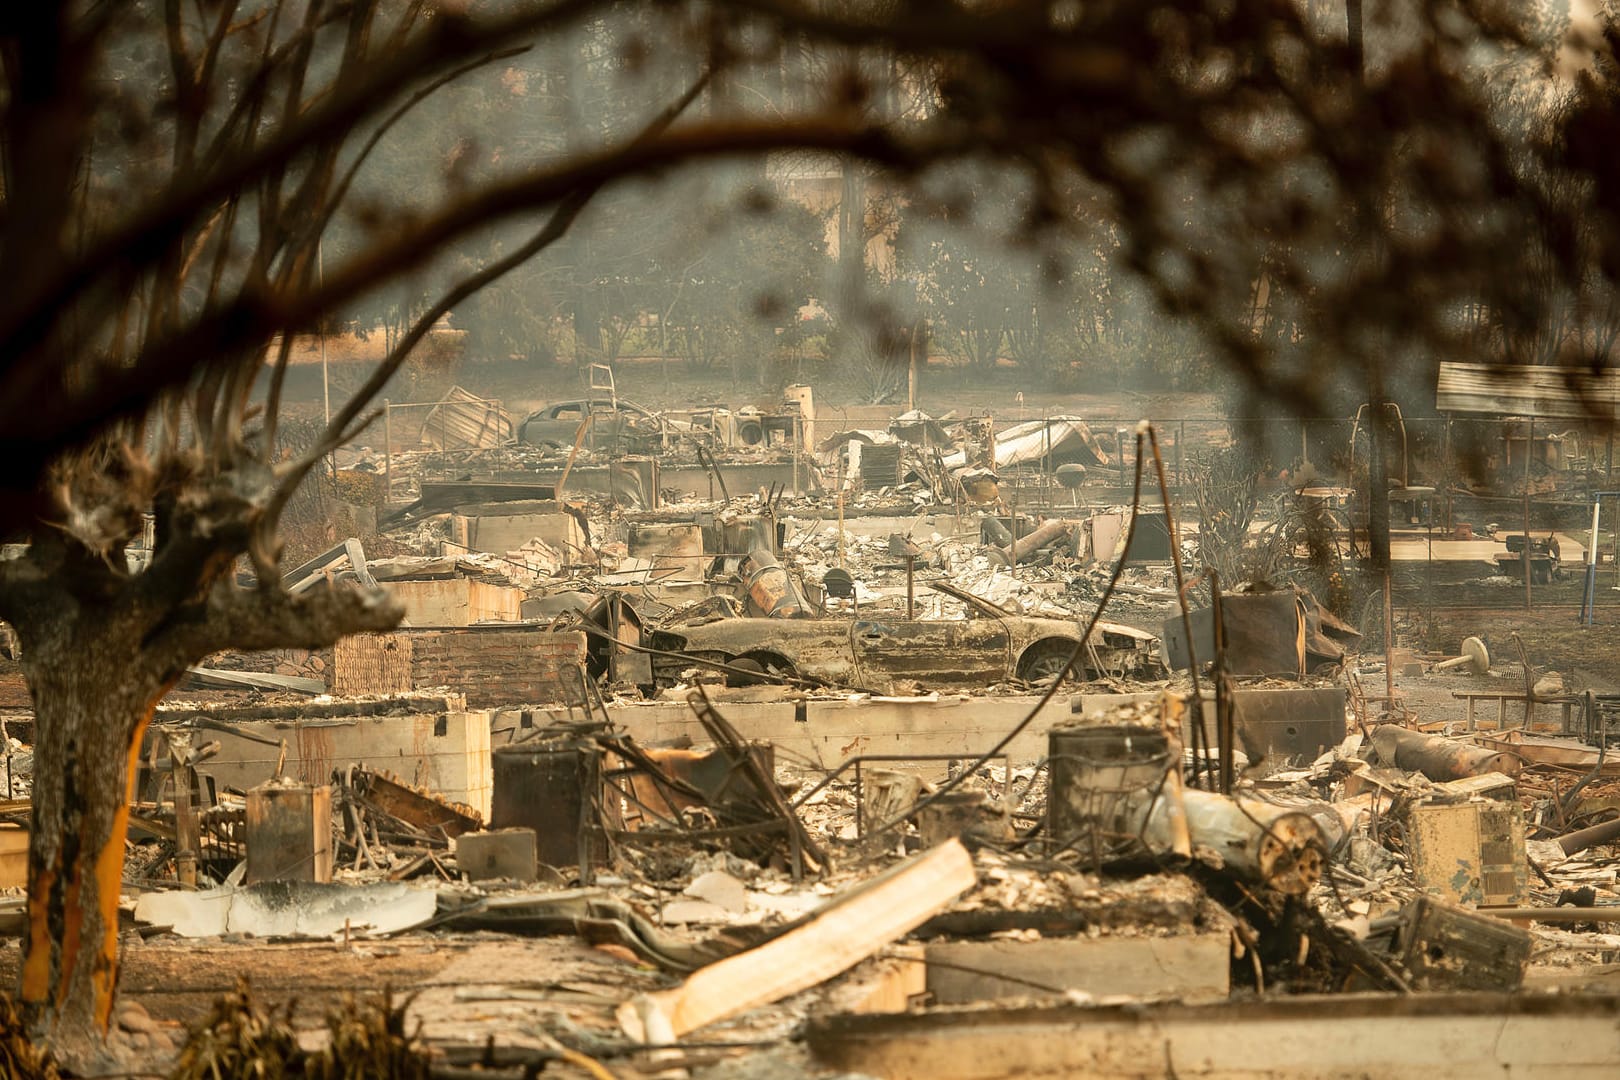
(417, 807)
(833, 940)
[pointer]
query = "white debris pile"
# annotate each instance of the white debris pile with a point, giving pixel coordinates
(986, 579)
(536, 561)
(19, 770)
(868, 559)
(426, 537)
(1495, 581)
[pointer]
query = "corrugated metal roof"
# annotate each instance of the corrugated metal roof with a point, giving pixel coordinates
(463, 421)
(1527, 391)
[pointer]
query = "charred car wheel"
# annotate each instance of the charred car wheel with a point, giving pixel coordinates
(1046, 660)
(771, 667)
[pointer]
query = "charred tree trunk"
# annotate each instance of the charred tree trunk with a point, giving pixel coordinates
(100, 647)
(93, 696)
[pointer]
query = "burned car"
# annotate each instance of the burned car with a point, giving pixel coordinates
(883, 652)
(634, 427)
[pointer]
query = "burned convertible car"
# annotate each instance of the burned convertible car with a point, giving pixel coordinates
(633, 427)
(881, 651)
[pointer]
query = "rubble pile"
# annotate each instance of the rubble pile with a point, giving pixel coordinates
(700, 732)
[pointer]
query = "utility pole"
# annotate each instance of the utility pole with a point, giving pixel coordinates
(1377, 467)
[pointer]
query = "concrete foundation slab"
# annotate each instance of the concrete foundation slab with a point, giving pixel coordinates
(1342, 1037)
(1190, 968)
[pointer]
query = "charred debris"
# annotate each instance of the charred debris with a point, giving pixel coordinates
(841, 738)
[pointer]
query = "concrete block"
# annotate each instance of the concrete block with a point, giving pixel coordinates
(446, 752)
(456, 601)
(1189, 967)
(503, 853)
(503, 527)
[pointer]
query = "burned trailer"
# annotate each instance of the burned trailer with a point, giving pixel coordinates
(887, 652)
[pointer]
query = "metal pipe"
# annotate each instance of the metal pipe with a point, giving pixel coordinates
(1589, 590)
(388, 453)
(1529, 441)
(1603, 833)
(1603, 913)
(1281, 847)
(1589, 587)
(1439, 758)
(1027, 545)
(911, 581)
(1223, 711)
(840, 526)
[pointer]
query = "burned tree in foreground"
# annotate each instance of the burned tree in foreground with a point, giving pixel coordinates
(171, 173)
(171, 170)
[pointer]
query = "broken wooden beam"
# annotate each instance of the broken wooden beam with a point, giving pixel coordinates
(831, 941)
(256, 680)
(415, 806)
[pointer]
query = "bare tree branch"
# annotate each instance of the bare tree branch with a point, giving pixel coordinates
(26, 315)
(341, 190)
(553, 230)
(259, 312)
(253, 619)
